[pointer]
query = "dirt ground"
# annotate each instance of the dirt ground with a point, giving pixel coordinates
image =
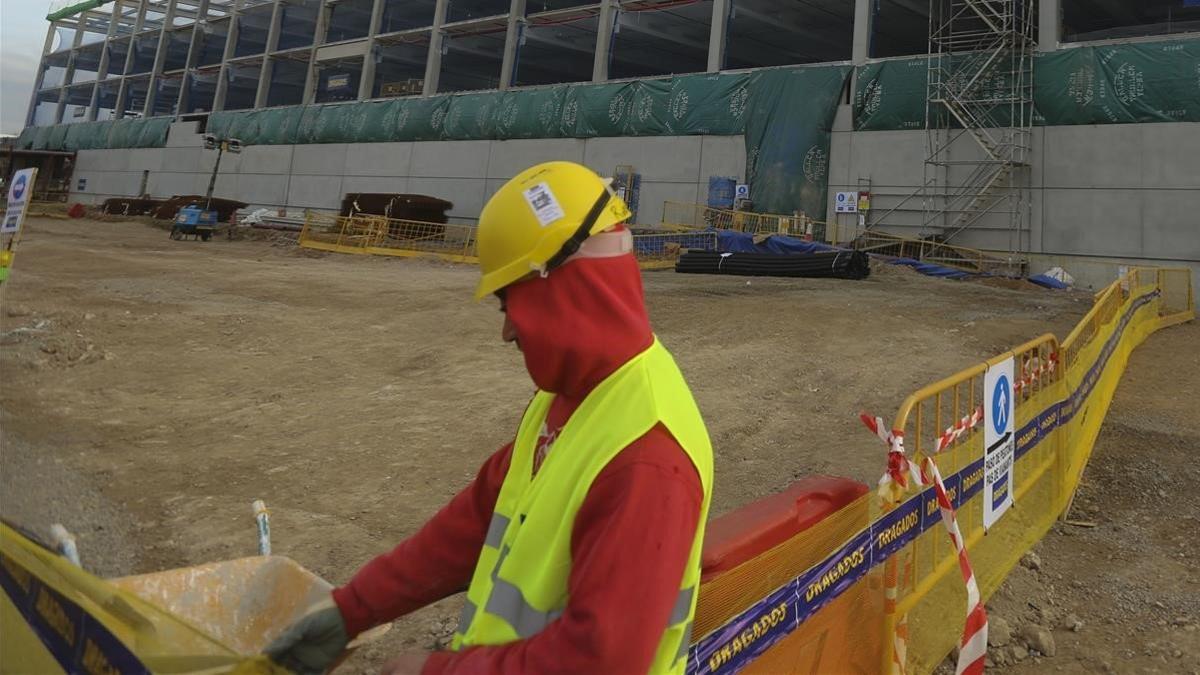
(162, 386)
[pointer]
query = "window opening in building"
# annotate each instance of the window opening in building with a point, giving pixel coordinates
(406, 15)
(556, 49)
(298, 23)
(1085, 20)
(472, 61)
(400, 67)
(465, 10)
(768, 33)
(660, 38)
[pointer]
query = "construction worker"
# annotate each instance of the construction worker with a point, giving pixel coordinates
(578, 542)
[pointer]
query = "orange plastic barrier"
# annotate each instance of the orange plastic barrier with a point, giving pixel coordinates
(759, 526)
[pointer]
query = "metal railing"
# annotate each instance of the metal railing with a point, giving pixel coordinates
(378, 235)
(925, 250)
(698, 216)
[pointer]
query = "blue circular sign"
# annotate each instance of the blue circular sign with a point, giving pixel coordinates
(1000, 404)
(19, 187)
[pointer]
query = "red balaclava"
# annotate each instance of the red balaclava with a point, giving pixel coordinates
(580, 323)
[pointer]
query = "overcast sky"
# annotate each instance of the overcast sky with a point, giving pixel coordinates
(22, 34)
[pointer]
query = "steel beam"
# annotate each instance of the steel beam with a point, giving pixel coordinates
(513, 34)
(366, 78)
(231, 38)
(123, 89)
(433, 65)
(40, 77)
(160, 54)
(609, 14)
(718, 35)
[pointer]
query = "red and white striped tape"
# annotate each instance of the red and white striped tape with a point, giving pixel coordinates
(1033, 369)
(973, 646)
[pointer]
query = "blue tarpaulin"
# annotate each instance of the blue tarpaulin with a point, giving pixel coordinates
(729, 241)
(931, 270)
(1048, 282)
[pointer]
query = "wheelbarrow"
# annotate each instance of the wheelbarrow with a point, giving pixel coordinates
(210, 618)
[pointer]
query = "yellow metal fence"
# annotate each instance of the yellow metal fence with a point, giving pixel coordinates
(890, 576)
(969, 259)
(680, 215)
(377, 235)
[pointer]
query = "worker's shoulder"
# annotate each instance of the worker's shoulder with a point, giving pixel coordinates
(655, 453)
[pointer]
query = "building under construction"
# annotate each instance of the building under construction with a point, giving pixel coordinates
(1057, 132)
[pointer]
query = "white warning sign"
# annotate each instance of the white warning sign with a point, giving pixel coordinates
(545, 207)
(999, 441)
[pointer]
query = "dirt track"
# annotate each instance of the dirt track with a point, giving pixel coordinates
(174, 382)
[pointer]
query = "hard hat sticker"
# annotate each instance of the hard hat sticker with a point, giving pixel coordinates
(545, 207)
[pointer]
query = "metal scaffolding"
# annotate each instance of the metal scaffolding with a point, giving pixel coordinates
(980, 87)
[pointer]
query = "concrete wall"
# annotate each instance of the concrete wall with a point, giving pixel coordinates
(1102, 196)
(466, 173)
(1120, 190)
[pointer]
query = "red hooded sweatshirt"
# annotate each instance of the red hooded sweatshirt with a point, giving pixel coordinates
(632, 534)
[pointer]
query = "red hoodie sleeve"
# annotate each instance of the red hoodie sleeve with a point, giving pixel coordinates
(434, 563)
(629, 547)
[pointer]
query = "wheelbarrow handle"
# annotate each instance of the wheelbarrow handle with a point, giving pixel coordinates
(263, 518)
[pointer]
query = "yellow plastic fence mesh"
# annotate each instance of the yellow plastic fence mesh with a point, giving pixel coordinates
(828, 642)
(912, 603)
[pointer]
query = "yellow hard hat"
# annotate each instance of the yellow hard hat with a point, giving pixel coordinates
(538, 219)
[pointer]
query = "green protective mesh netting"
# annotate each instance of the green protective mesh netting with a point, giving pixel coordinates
(73, 8)
(1111, 84)
(148, 132)
(785, 114)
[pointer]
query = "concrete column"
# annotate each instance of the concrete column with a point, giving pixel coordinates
(80, 22)
(717, 35)
(123, 90)
(1049, 25)
(864, 25)
(40, 77)
(231, 38)
(512, 42)
(366, 79)
(604, 35)
(103, 71)
(264, 74)
(319, 38)
(190, 64)
(160, 55)
(433, 63)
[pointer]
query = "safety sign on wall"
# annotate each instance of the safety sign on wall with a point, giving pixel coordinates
(999, 441)
(20, 191)
(741, 191)
(846, 202)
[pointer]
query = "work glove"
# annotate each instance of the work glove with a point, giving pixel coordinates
(311, 644)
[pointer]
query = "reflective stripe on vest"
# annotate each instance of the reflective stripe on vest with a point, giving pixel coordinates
(520, 581)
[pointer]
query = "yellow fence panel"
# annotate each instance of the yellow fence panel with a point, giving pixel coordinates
(679, 215)
(899, 574)
(377, 235)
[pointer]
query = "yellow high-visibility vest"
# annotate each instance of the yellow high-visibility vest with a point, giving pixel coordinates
(520, 582)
